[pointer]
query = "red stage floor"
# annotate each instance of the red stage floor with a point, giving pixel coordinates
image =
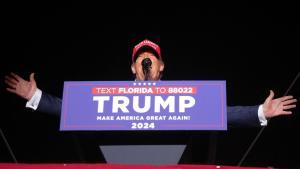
(113, 166)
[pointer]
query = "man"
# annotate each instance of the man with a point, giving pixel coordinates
(147, 64)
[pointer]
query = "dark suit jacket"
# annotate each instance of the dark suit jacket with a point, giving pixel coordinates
(237, 116)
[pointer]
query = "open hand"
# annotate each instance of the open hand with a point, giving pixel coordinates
(21, 87)
(280, 106)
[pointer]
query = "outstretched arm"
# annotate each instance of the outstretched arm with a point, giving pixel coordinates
(36, 99)
(254, 116)
(20, 86)
(277, 107)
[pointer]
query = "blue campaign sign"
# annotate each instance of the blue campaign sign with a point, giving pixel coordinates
(144, 105)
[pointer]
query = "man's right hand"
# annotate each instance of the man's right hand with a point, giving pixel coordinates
(21, 87)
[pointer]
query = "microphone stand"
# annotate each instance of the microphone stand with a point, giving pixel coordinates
(8, 147)
(146, 71)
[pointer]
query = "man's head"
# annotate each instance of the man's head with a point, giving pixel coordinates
(147, 50)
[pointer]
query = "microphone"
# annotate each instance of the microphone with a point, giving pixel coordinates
(146, 64)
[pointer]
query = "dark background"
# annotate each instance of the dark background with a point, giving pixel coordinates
(254, 46)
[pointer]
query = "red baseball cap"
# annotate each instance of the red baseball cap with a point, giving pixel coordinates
(148, 45)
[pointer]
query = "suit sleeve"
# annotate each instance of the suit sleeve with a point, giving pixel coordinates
(243, 116)
(50, 104)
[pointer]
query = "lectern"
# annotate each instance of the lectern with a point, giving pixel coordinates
(143, 106)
